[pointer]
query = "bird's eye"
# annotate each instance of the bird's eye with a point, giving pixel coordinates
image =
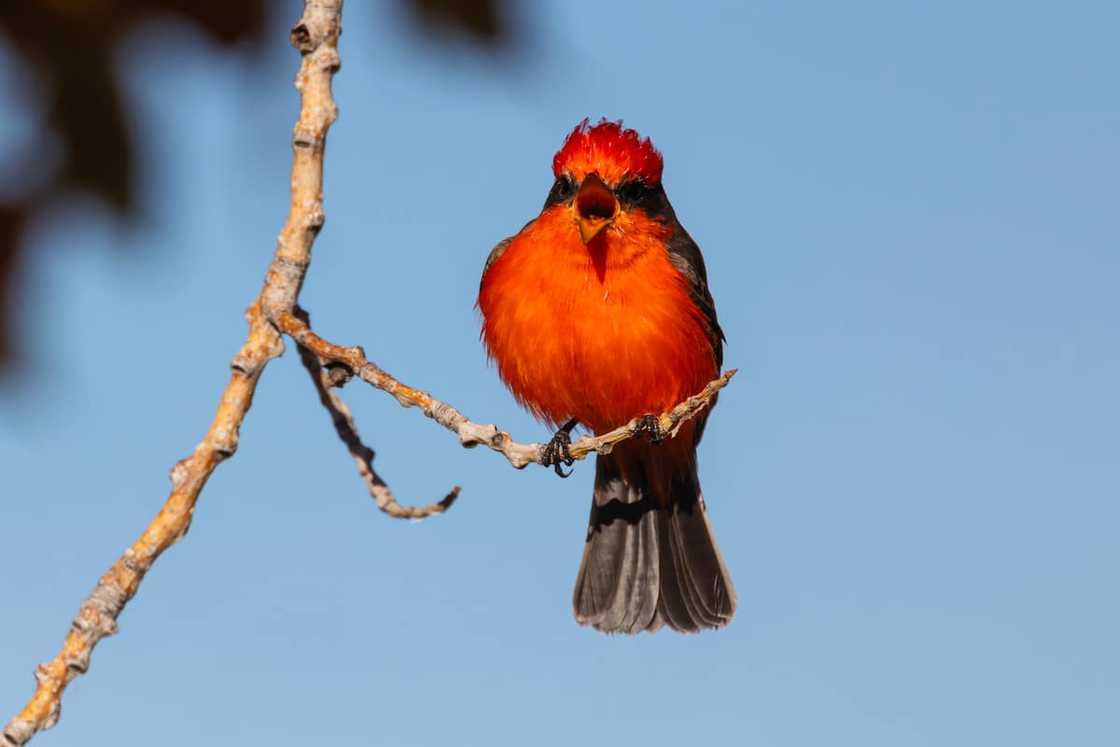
(633, 192)
(562, 191)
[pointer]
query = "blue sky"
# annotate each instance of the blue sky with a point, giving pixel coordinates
(909, 216)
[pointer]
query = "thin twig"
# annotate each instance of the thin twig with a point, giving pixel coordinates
(316, 37)
(363, 455)
(474, 434)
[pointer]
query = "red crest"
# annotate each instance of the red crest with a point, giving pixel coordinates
(609, 150)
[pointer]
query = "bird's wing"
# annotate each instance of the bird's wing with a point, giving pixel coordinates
(685, 256)
(500, 249)
(496, 252)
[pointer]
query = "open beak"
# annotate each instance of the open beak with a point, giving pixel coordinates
(595, 207)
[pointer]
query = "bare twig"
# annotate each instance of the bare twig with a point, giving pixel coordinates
(363, 455)
(474, 434)
(316, 37)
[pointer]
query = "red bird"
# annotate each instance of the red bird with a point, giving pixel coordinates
(598, 312)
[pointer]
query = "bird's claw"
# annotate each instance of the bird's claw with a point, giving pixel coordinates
(651, 424)
(557, 452)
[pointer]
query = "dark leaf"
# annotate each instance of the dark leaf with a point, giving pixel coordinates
(11, 219)
(484, 21)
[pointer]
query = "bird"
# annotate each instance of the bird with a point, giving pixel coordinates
(595, 313)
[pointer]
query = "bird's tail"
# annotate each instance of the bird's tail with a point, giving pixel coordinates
(650, 558)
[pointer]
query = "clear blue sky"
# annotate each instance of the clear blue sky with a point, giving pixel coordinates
(909, 216)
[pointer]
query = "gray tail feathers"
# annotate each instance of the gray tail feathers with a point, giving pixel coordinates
(650, 562)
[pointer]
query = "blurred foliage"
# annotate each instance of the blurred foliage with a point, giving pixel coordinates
(487, 21)
(68, 48)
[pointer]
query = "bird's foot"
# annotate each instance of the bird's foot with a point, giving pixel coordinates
(651, 424)
(557, 452)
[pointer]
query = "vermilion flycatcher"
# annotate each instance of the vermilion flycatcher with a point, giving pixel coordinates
(598, 312)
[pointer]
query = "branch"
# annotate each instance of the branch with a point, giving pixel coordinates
(473, 434)
(363, 455)
(272, 313)
(316, 37)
